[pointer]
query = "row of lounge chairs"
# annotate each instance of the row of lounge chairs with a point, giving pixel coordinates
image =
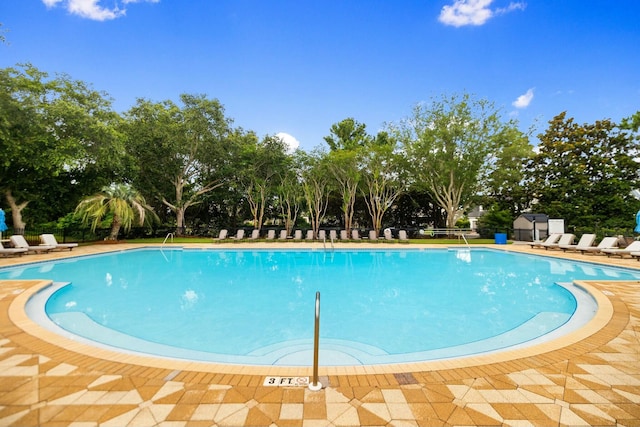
(20, 246)
(332, 235)
(608, 246)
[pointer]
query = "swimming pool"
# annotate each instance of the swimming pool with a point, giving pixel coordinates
(256, 306)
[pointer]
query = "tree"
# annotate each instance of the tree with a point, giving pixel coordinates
(182, 152)
(265, 163)
(585, 173)
(380, 178)
(53, 129)
(450, 147)
(346, 141)
(121, 202)
(315, 186)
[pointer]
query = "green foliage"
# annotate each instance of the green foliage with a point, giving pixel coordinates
(121, 202)
(496, 220)
(585, 173)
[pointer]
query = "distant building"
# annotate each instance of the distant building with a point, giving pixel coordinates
(474, 215)
(529, 227)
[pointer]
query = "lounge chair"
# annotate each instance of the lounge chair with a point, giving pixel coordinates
(633, 247)
(50, 240)
(309, 235)
(322, 235)
(297, 235)
(373, 236)
(255, 235)
(388, 235)
(239, 235)
(585, 242)
(566, 239)
(333, 236)
(355, 236)
(12, 251)
(606, 243)
(221, 236)
(18, 241)
(344, 235)
(271, 235)
(283, 235)
(402, 236)
(551, 239)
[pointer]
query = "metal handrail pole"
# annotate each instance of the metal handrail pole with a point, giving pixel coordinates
(315, 385)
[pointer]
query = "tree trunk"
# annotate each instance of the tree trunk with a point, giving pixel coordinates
(16, 212)
(115, 228)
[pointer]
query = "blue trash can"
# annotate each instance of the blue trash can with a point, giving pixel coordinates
(500, 238)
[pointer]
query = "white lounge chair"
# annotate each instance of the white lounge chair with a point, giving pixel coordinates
(373, 236)
(18, 241)
(402, 236)
(297, 235)
(322, 235)
(606, 243)
(388, 235)
(333, 236)
(283, 235)
(344, 235)
(221, 236)
(271, 235)
(255, 234)
(239, 235)
(355, 236)
(309, 235)
(565, 239)
(12, 251)
(551, 239)
(632, 247)
(585, 242)
(50, 240)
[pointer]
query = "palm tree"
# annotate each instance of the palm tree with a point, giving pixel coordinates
(125, 204)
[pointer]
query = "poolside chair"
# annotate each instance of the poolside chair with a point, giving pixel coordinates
(552, 238)
(18, 241)
(12, 251)
(221, 236)
(239, 235)
(322, 235)
(283, 235)
(333, 236)
(606, 243)
(355, 236)
(309, 235)
(271, 234)
(255, 235)
(633, 247)
(50, 240)
(565, 239)
(373, 236)
(586, 241)
(402, 236)
(344, 235)
(297, 235)
(388, 235)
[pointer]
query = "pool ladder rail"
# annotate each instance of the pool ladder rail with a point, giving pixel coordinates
(169, 236)
(315, 384)
(324, 243)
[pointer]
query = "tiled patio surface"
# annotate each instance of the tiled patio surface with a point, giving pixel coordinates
(591, 377)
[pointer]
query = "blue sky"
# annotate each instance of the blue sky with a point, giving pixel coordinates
(298, 67)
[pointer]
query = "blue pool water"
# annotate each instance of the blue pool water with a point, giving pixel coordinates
(257, 306)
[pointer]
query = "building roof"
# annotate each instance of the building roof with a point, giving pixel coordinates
(535, 217)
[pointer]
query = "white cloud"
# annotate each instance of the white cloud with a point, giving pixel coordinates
(291, 142)
(473, 12)
(91, 9)
(523, 101)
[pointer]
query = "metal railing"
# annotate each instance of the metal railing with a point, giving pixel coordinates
(315, 384)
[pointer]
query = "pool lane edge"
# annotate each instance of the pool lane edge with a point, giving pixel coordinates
(561, 348)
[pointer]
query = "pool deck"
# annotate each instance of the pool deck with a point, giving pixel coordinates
(591, 377)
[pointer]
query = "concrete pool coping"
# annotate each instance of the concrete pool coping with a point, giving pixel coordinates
(557, 385)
